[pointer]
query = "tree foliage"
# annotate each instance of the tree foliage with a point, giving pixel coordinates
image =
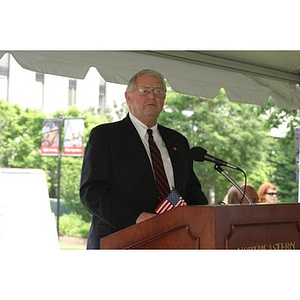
(20, 142)
(281, 154)
(237, 133)
(19, 136)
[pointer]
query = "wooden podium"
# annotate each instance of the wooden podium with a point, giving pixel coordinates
(256, 226)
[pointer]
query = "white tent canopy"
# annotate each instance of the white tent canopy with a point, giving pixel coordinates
(247, 76)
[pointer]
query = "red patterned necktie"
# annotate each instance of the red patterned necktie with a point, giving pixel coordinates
(162, 184)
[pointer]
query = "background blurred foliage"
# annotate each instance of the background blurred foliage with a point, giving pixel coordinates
(237, 133)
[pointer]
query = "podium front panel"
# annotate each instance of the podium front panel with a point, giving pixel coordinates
(262, 226)
(256, 226)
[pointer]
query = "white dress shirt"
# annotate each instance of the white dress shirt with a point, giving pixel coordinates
(142, 130)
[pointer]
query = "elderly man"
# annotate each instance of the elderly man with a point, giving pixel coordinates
(122, 181)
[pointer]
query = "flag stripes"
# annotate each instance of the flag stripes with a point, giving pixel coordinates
(173, 200)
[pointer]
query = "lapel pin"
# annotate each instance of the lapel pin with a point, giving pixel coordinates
(174, 148)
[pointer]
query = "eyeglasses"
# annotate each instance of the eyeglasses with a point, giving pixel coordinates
(145, 91)
(271, 194)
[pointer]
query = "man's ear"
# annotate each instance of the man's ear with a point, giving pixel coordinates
(128, 97)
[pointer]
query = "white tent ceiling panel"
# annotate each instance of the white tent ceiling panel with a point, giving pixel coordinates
(283, 92)
(205, 81)
(247, 76)
(69, 64)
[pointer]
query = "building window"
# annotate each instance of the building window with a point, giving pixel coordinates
(4, 77)
(39, 77)
(4, 65)
(102, 95)
(72, 92)
(40, 90)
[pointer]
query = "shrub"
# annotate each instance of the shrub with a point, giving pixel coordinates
(73, 225)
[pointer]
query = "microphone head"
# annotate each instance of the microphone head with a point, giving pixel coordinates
(198, 153)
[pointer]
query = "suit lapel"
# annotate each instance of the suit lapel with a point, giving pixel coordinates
(136, 147)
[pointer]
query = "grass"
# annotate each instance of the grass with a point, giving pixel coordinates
(71, 246)
(69, 243)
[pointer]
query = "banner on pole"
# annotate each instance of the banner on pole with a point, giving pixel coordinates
(50, 137)
(73, 139)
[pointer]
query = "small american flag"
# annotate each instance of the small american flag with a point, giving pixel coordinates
(172, 200)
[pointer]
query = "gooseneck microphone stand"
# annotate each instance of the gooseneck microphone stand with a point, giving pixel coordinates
(222, 172)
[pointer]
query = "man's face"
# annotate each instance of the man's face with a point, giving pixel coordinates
(146, 107)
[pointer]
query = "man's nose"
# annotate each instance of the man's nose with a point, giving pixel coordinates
(152, 94)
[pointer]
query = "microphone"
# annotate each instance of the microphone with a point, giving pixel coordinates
(200, 154)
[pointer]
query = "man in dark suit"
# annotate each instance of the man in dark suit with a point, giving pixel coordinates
(117, 181)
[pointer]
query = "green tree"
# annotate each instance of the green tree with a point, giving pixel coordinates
(20, 142)
(281, 155)
(19, 138)
(231, 131)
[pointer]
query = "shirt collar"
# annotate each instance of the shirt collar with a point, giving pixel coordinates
(140, 125)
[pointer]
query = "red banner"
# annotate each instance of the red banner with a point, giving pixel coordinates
(50, 138)
(73, 140)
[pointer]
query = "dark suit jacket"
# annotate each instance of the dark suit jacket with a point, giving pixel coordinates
(117, 182)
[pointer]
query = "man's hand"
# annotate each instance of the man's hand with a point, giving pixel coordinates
(144, 216)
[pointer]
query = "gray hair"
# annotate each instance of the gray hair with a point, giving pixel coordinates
(132, 81)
